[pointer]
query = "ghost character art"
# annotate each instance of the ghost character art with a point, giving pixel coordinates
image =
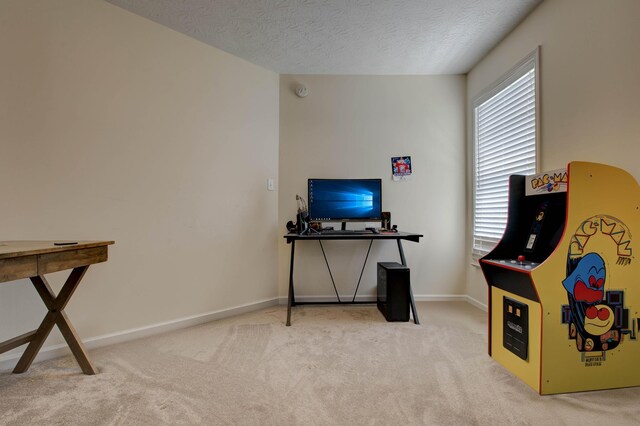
(595, 316)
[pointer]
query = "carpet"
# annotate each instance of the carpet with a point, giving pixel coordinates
(336, 365)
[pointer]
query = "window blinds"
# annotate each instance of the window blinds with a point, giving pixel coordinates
(505, 144)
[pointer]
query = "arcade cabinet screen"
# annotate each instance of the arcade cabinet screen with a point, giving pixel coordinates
(546, 226)
(336, 200)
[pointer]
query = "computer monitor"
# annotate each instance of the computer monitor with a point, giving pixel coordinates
(341, 200)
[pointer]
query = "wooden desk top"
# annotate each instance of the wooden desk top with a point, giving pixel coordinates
(9, 249)
(33, 260)
(26, 259)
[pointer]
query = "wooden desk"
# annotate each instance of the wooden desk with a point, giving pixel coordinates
(394, 236)
(34, 259)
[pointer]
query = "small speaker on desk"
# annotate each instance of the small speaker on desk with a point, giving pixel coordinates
(386, 220)
(393, 291)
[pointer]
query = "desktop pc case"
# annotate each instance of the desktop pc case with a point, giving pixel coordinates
(393, 291)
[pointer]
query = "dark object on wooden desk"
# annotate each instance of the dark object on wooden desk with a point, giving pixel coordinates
(34, 259)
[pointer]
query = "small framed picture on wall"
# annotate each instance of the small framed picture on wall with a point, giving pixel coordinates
(401, 167)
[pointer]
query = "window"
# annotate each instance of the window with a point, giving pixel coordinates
(505, 143)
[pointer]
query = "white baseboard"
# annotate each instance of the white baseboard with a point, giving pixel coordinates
(417, 298)
(322, 299)
(477, 303)
(440, 297)
(7, 362)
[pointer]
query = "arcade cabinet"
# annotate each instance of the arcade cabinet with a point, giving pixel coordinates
(564, 284)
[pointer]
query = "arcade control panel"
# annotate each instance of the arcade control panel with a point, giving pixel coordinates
(519, 264)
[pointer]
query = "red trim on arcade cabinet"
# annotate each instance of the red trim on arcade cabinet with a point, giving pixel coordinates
(541, 317)
(540, 354)
(564, 231)
(489, 322)
(489, 303)
(507, 266)
(487, 281)
(489, 296)
(541, 329)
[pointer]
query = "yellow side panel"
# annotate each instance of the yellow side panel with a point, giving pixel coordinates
(602, 221)
(528, 371)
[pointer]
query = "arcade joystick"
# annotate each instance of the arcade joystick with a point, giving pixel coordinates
(521, 258)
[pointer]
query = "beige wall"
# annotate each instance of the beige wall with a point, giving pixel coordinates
(350, 127)
(590, 95)
(114, 127)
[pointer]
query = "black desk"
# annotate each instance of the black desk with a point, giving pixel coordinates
(397, 236)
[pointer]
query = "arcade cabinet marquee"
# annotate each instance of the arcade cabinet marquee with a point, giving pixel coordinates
(564, 283)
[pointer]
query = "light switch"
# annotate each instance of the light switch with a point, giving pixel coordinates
(270, 185)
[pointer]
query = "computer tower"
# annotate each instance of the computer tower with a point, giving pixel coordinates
(393, 291)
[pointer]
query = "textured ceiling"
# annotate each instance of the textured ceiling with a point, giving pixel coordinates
(344, 36)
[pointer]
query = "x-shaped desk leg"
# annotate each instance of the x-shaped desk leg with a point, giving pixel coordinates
(57, 316)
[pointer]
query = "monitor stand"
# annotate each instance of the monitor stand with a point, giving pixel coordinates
(344, 226)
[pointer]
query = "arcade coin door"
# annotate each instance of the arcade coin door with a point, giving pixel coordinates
(564, 283)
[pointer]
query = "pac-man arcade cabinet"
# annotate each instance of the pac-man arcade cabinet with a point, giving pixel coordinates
(564, 283)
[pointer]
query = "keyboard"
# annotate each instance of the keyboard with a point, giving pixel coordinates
(346, 232)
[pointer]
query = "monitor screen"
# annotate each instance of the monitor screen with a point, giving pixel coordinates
(336, 200)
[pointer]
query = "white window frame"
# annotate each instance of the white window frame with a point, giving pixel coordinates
(530, 61)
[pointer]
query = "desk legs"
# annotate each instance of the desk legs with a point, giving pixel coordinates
(414, 311)
(57, 316)
(291, 298)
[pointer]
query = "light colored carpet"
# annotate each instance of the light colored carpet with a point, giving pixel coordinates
(334, 365)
